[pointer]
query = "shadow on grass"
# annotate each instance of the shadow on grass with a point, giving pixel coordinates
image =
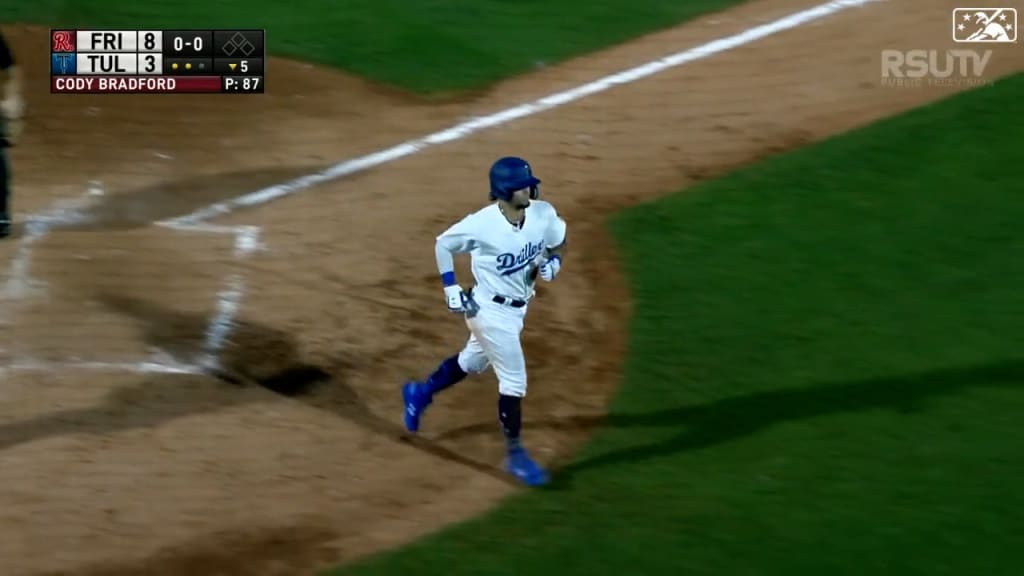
(715, 423)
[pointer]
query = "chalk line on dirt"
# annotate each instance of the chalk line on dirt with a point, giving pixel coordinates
(229, 298)
(141, 367)
(68, 213)
(477, 124)
(19, 283)
(65, 212)
(229, 301)
(247, 237)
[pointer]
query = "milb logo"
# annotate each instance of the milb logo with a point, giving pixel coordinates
(985, 25)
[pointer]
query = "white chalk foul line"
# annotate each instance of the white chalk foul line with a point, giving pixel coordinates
(143, 367)
(464, 129)
(64, 213)
(229, 298)
(247, 238)
(229, 302)
(19, 282)
(70, 213)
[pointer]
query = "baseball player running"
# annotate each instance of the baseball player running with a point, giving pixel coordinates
(510, 241)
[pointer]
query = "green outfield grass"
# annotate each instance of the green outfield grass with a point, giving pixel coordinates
(826, 374)
(419, 45)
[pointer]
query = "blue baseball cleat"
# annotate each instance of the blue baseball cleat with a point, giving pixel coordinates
(519, 464)
(416, 399)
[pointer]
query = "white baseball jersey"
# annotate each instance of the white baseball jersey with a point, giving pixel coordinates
(502, 252)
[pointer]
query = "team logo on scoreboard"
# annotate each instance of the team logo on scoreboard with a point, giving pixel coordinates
(63, 41)
(62, 64)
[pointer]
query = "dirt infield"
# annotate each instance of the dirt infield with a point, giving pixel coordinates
(116, 472)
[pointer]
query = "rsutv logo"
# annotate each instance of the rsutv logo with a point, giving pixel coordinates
(934, 67)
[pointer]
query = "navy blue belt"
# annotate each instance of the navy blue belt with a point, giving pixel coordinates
(509, 301)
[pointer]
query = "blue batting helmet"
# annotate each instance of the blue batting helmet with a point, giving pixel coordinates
(509, 174)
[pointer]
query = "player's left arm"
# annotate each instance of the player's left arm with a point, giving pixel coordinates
(555, 242)
(558, 249)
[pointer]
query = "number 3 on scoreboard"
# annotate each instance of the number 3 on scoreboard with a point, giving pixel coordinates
(151, 63)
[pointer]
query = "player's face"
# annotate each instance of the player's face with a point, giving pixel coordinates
(521, 198)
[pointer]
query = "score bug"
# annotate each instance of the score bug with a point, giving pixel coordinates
(226, 61)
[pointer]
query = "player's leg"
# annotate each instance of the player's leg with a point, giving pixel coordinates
(505, 352)
(5, 182)
(418, 395)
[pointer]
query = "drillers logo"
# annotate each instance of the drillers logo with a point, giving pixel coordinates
(62, 64)
(509, 263)
(985, 25)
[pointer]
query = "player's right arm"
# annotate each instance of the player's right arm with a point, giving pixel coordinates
(457, 239)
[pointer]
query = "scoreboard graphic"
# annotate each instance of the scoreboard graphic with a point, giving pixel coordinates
(157, 61)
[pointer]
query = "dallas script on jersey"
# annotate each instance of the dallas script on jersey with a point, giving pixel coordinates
(509, 263)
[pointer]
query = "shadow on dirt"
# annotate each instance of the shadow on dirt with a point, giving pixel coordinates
(255, 359)
(283, 551)
(729, 419)
(141, 207)
(258, 357)
(269, 358)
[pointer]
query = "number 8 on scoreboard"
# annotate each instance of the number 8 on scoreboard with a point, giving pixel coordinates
(151, 39)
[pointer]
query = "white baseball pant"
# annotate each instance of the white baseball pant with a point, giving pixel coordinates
(494, 342)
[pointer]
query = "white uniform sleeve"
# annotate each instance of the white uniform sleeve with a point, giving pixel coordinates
(460, 237)
(555, 234)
